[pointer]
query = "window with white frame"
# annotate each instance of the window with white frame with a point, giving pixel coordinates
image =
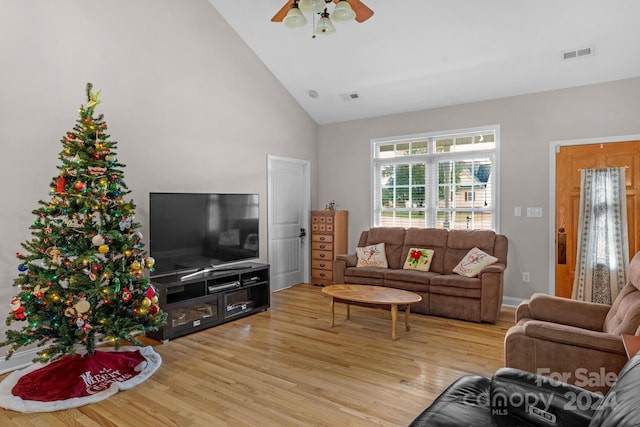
(438, 180)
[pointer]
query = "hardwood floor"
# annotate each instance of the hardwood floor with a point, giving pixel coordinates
(287, 367)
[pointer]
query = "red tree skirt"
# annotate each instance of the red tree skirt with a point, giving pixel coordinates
(77, 380)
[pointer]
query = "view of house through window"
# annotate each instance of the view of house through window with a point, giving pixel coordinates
(445, 180)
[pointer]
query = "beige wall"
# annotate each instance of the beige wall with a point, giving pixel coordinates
(192, 108)
(528, 124)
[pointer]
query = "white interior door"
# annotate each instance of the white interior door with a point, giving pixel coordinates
(288, 206)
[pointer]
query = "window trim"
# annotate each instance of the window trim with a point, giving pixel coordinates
(493, 153)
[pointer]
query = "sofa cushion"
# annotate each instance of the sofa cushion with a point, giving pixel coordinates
(418, 259)
(411, 276)
(373, 272)
(474, 261)
(456, 281)
(461, 241)
(372, 256)
(392, 237)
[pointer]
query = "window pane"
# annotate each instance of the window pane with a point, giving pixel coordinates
(444, 220)
(462, 141)
(420, 147)
(417, 197)
(402, 149)
(445, 196)
(402, 175)
(386, 151)
(444, 145)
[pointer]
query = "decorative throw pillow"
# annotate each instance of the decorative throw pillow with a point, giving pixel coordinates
(418, 259)
(474, 261)
(372, 256)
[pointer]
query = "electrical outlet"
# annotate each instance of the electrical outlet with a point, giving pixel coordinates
(526, 277)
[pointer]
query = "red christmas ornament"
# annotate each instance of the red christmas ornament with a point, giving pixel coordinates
(126, 295)
(80, 185)
(60, 184)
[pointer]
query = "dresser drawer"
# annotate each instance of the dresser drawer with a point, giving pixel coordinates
(322, 228)
(316, 219)
(322, 246)
(321, 274)
(322, 238)
(322, 255)
(318, 264)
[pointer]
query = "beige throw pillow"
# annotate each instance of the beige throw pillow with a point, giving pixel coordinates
(418, 259)
(474, 261)
(372, 256)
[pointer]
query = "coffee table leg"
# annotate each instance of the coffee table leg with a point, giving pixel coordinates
(406, 318)
(331, 309)
(394, 320)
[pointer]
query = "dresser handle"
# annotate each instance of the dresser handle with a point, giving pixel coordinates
(323, 264)
(322, 255)
(322, 246)
(322, 238)
(321, 274)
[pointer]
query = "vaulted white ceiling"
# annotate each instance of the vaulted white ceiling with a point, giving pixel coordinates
(419, 54)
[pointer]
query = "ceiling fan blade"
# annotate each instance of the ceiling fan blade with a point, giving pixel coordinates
(278, 17)
(362, 10)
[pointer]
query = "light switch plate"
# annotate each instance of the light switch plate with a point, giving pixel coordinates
(534, 212)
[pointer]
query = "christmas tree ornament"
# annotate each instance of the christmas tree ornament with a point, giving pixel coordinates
(17, 308)
(97, 240)
(103, 249)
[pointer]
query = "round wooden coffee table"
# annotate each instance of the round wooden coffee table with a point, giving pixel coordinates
(376, 295)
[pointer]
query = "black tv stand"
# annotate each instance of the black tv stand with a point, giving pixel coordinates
(210, 297)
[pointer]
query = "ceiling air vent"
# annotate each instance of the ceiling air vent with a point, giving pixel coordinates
(577, 53)
(347, 97)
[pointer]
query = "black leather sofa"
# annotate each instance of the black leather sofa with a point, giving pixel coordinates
(517, 398)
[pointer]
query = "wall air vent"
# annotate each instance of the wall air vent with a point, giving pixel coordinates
(577, 53)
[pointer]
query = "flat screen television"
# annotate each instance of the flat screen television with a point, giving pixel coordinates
(193, 231)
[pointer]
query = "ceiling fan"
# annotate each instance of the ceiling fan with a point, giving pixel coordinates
(362, 12)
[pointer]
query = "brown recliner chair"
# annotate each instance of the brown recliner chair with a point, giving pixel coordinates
(575, 341)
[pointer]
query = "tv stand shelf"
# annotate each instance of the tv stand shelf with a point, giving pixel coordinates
(213, 297)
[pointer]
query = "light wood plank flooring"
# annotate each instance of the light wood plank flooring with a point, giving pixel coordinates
(287, 367)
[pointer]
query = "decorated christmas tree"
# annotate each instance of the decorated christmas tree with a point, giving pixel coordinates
(82, 277)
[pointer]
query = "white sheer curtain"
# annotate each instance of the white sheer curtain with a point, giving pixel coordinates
(603, 246)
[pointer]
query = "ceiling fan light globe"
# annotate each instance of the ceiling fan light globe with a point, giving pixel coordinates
(343, 12)
(325, 26)
(312, 6)
(295, 18)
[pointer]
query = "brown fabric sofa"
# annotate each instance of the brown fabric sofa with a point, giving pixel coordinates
(443, 292)
(575, 341)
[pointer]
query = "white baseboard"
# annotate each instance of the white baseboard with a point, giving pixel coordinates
(24, 358)
(19, 360)
(511, 301)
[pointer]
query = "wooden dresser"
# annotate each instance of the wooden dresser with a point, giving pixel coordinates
(329, 234)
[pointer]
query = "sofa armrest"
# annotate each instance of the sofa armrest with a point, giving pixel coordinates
(521, 398)
(522, 311)
(491, 292)
(351, 260)
(492, 268)
(571, 335)
(582, 314)
(341, 262)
